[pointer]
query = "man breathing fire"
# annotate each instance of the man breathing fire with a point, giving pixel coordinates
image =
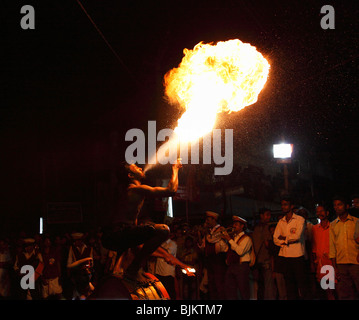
(125, 233)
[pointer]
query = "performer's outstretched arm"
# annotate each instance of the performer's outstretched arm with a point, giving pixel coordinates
(168, 191)
(169, 258)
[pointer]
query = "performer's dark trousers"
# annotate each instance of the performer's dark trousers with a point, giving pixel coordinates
(169, 284)
(123, 236)
(295, 278)
(237, 279)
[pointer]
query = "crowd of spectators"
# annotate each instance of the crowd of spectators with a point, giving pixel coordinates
(267, 278)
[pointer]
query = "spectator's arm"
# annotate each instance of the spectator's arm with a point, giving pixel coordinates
(356, 232)
(297, 234)
(332, 249)
(278, 237)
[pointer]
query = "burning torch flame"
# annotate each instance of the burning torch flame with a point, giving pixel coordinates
(189, 271)
(211, 79)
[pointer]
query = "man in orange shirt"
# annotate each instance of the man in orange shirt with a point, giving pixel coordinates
(320, 245)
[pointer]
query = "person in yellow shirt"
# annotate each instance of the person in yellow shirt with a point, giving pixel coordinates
(343, 250)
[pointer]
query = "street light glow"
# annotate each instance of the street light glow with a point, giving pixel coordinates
(169, 208)
(282, 150)
(41, 227)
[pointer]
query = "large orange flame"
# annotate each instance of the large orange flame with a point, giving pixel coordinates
(210, 79)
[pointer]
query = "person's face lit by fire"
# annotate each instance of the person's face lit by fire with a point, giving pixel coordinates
(135, 172)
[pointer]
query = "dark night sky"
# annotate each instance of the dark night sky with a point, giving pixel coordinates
(63, 88)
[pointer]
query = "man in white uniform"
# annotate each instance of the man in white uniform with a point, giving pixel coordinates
(238, 261)
(215, 249)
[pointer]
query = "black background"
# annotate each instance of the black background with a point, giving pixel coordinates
(63, 90)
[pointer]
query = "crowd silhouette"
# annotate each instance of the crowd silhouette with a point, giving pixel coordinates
(278, 273)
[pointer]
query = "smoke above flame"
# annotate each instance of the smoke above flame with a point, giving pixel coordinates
(224, 77)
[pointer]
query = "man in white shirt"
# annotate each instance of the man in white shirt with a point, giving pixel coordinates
(164, 271)
(289, 236)
(238, 260)
(78, 250)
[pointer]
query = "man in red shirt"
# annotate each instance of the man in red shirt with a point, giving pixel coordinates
(320, 245)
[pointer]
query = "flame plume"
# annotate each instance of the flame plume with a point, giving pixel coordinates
(211, 79)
